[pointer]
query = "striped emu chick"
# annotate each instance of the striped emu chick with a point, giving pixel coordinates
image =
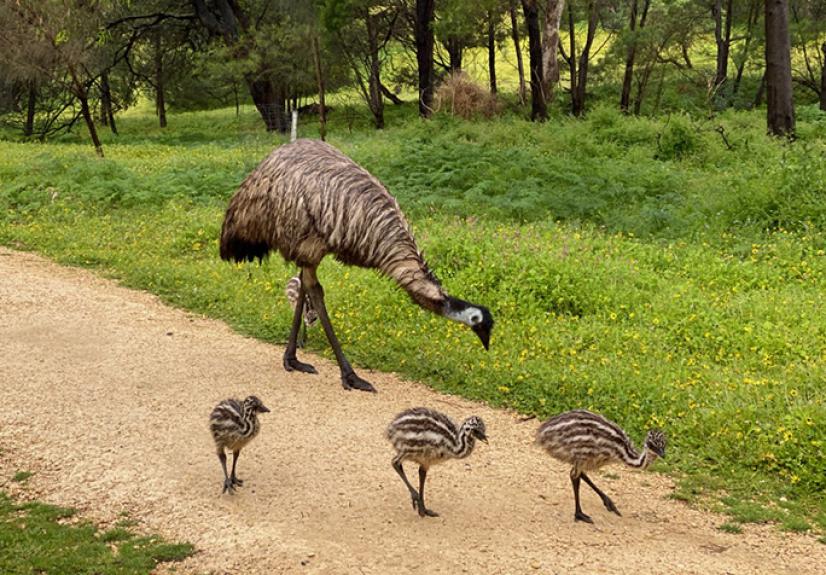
(589, 441)
(293, 291)
(233, 424)
(427, 437)
(307, 200)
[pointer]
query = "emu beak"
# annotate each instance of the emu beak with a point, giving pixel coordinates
(484, 335)
(263, 409)
(484, 438)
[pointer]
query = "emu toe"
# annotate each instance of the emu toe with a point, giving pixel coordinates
(609, 505)
(424, 511)
(292, 364)
(352, 381)
(580, 516)
(236, 481)
(228, 486)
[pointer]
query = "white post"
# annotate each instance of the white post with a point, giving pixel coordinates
(294, 129)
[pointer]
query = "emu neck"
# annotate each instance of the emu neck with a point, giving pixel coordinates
(639, 460)
(414, 277)
(466, 443)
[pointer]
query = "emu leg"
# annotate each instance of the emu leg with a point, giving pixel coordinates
(609, 505)
(397, 465)
(349, 379)
(291, 362)
(424, 511)
(232, 477)
(228, 486)
(578, 514)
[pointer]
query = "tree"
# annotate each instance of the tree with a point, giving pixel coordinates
(360, 29)
(423, 32)
(550, 45)
(518, 49)
(722, 38)
(61, 41)
(579, 73)
(255, 34)
(539, 109)
(780, 107)
(631, 51)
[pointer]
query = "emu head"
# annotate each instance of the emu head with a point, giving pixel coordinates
(254, 405)
(477, 317)
(655, 442)
(476, 427)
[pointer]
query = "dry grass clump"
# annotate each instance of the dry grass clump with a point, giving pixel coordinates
(459, 95)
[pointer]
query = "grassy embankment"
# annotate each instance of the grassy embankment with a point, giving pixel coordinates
(638, 267)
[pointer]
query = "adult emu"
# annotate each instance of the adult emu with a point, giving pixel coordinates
(307, 200)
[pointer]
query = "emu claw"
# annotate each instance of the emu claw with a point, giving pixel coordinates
(292, 364)
(580, 516)
(609, 505)
(352, 381)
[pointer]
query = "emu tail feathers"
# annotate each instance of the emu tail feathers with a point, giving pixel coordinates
(239, 242)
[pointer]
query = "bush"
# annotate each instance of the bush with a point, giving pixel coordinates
(458, 95)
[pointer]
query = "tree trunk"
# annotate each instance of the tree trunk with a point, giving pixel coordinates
(550, 45)
(106, 103)
(754, 13)
(584, 59)
(270, 103)
(322, 107)
(722, 39)
(761, 91)
(518, 49)
(823, 78)
(374, 82)
(625, 97)
(28, 127)
(455, 49)
(539, 110)
(160, 94)
(780, 112)
(492, 50)
(90, 123)
(572, 58)
(424, 54)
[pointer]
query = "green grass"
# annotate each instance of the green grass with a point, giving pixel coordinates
(635, 266)
(22, 476)
(40, 538)
(730, 528)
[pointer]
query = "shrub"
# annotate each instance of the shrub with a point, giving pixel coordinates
(458, 95)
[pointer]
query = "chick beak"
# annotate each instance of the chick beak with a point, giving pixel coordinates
(263, 409)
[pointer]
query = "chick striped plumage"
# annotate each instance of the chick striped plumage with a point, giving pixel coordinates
(233, 425)
(427, 437)
(589, 441)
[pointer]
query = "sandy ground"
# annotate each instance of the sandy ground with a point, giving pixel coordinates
(106, 393)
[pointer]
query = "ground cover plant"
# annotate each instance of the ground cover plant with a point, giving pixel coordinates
(648, 269)
(40, 538)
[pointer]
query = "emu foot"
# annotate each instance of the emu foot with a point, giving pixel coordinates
(418, 504)
(236, 481)
(292, 364)
(352, 381)
(580, 516)
(228, 486)
(609, 505)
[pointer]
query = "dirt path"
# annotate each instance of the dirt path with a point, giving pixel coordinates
(106, 392)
